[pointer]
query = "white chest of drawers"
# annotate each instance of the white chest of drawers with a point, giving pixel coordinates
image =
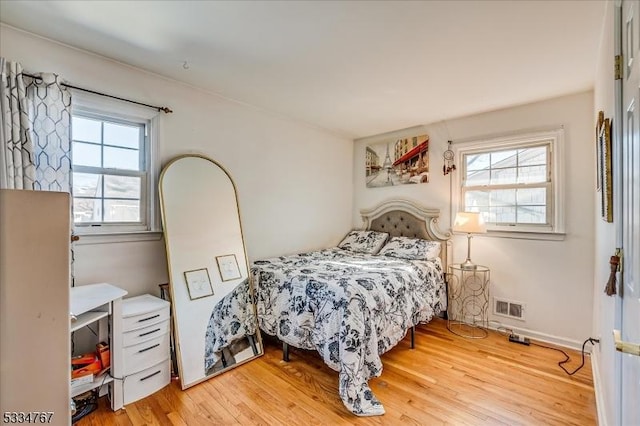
(146, 357)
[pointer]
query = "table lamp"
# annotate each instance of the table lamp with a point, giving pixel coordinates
(471, 223)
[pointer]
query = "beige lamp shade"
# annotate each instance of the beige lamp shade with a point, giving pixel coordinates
(470, 223)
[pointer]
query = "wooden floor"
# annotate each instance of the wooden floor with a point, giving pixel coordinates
(445, 380)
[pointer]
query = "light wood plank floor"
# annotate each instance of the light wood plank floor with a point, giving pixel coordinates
(445, 380)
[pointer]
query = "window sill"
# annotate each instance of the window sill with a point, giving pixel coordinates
(523, 235)
(118, 237)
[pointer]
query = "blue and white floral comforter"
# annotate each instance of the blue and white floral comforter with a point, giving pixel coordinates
(232, 318)
(350, 307)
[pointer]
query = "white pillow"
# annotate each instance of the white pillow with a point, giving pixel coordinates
(364, 241)
(411, 248)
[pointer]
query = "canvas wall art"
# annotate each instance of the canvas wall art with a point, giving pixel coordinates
(398, 161)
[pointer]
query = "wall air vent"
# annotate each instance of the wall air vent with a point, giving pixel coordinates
(508, 308)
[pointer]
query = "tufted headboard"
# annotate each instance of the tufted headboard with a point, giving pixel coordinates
(404, 218)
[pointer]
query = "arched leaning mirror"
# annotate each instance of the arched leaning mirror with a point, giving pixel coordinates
(211, 292)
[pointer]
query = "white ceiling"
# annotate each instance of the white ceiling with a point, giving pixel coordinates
(358, 68)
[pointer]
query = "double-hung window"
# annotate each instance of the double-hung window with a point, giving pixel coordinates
(113, 171)
(514, 182)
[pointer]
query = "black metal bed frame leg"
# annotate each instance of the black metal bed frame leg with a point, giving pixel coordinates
(252, 341)
(285, 352)
(413, 337)
(223, 359)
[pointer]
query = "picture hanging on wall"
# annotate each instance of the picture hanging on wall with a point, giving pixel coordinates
(198, 283)
(228, 267)
(398, 161)
(604, 172)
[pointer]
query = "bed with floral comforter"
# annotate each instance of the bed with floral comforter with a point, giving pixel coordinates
(350, 307)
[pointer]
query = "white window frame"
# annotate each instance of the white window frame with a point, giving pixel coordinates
(100, 107)
(555, 193)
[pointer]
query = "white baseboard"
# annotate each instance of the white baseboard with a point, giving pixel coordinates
(542, 337)
(597, 387)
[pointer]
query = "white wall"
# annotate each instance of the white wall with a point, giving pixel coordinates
(553, 278)
(604, 307)
(293, 180)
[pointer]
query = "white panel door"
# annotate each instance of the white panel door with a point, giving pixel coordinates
(630, 214)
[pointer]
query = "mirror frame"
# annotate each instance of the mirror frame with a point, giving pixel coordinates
(175, 329)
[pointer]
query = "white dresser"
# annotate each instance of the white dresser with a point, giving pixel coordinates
(146, 356)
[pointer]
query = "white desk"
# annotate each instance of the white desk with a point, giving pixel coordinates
(101, 302)
(85, 298)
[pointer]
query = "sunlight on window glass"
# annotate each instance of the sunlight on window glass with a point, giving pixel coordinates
(86, 129)
(121, 135)
(85, 154)
(87, 210)
(478, 161)
(480, 177)
(110, 171)
(121, 158)
(122, 187)
(503, 197)
(87, 185)
(532, 174)
(503, 214)
(504, 158)
(532, 156)
(121, 210)
(512, 182)
(529, 196)
(532, 214)
(504, 176)
(473, 199)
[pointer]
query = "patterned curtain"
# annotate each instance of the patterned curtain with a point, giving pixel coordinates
(50, 116)
(35, 134)
(17, 154)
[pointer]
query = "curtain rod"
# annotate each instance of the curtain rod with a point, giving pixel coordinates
(164, 109)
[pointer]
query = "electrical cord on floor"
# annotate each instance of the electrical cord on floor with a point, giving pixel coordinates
(504, 331)
(122, 379)
(497, 325)
(567, 358)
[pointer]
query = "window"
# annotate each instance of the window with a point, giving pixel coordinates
(113, 169)
(514, 182)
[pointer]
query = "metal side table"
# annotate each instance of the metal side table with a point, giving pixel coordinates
(468, 302)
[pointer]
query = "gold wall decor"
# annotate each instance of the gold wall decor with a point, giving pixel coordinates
(605, 175)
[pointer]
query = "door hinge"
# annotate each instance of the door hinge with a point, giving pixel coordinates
(618, 67)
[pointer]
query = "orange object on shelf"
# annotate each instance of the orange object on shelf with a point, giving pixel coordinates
(104, 354)
(84, 359)
(85, 364)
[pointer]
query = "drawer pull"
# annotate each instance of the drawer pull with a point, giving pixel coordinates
(149, 348)
(150, 318)
(149, 332)
(151, 375)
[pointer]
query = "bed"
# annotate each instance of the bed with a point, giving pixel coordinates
(352, 305)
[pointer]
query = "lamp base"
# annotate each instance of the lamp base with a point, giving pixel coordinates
(468, 264)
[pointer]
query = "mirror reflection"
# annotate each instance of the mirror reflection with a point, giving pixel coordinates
(214, 317)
